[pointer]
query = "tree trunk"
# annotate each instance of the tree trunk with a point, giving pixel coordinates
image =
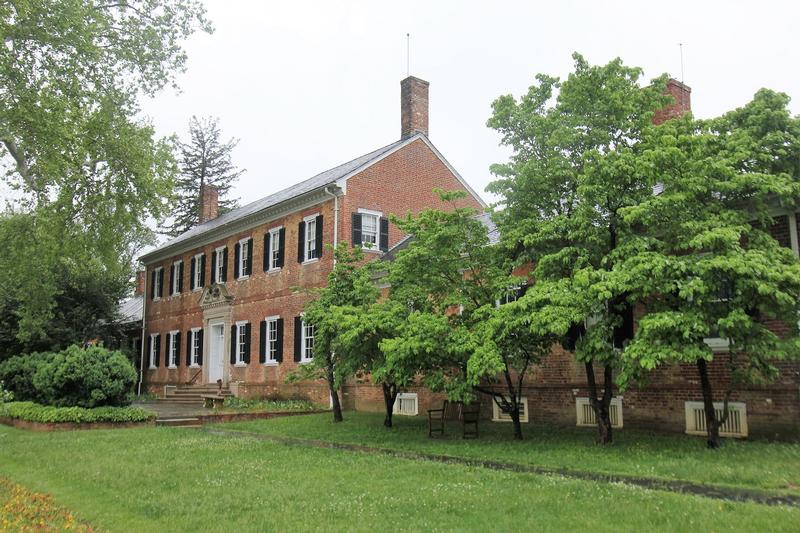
(336, 407)
(389, 397)
(712, 424)
(601, 406)
(516, 421)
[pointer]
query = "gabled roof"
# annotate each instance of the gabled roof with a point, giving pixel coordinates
(324, 179)
(131, 310)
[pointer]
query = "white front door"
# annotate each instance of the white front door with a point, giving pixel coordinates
(216, 356)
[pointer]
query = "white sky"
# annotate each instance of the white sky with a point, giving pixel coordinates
(309, 85)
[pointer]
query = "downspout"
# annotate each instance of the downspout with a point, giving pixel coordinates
(144, 321)
(335, 222)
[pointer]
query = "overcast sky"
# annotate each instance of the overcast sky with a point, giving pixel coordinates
(308, 85)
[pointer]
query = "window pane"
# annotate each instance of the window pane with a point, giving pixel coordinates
(311, 239)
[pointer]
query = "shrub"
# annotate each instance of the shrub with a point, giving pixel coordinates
(17, 374)
(5, 395)
(90, 377)
(269, 404)
(46, 414)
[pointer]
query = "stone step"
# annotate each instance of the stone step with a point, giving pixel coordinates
(179, 422)
(182, 401)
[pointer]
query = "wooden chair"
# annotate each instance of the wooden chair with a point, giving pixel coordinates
(468, 414)
(436, 418)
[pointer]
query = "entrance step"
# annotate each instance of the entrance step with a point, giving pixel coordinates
(188, 422)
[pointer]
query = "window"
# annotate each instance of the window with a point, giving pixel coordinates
(510, 295)
(195, 356)
(310, 245)
(154, 349)
(272, 249)
(219, 264)
(158, 282)
(271, 346)
(734, 426)
(243, 256)
(406, 404)
(586, 415)
(307, 345)
(369, 231)
(498, 415)
(176, 277)
(241, 343)
(198, 271)
(173, 348)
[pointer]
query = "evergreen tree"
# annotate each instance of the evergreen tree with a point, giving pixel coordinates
(205, 160)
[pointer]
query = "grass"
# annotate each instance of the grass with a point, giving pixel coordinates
(172, 479)
(747, 464)
(23, 510)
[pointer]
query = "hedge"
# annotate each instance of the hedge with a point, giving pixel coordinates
(45, 414)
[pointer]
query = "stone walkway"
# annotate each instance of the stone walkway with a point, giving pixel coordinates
(684, 487)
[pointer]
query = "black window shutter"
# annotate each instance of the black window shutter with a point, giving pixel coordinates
(224, 264)
(301, 238)
(279, 344)
(180, 277)
(356, 230)
(188, 347)
(214, 266)
(153, 284)
(384, 236)
(318, 244)
(266, 251)
(246, 354)
(203, 270)
(150, 350)
(233, 344)
(200, 355)
(249, 263)
(161, 283)
(522, 290)
(178, 349)
(171, 277)
(192, 269)
(281, 245)
(262, 342)
(158, 350)
(236, 255)
(298, 337)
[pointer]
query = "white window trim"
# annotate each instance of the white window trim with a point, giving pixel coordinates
(194, 332)
(219, 255)
(173, 335)
(499, 416)
(175, 281)
(274, 236)
(198, 265)
(158, 282)
(616, 403)
(153, 337)
(267, 360)
(242, 244)
(309, 218)
(378, 215)
(401, 402)
(303, 337)
(691, 428)
(512, 290)
(239, 355)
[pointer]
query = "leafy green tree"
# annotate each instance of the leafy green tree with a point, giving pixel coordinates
(573, 170)
(350, 289)
(705, 261)
(458, 336)
(76, 159)
(205, 160)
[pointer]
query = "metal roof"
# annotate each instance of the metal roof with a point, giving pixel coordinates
(131, 310)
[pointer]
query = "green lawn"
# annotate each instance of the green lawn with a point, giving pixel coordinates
(749, 464)
(172, 479)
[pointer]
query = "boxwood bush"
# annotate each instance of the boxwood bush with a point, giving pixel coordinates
(46, 414)
(90, 377)
(18, 371)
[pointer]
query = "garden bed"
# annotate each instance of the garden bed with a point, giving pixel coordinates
(220, 418)
(36, 417)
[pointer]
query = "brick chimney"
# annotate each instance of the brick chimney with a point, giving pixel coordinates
(413, 107)
(140, 282)
(209, 203)
(683, 102)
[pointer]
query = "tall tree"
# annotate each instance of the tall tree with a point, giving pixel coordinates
(572, 172)
(205, 160)
(86, 172)
(350, 288)
(705, 261)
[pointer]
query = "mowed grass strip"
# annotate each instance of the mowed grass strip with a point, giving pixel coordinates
(773, 466)
(172, 479)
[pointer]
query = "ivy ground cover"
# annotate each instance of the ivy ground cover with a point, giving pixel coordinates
(173, 479)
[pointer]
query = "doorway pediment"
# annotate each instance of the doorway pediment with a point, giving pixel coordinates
(215, 295)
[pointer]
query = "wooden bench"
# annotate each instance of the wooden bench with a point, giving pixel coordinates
(213, 401)
(468, 414)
